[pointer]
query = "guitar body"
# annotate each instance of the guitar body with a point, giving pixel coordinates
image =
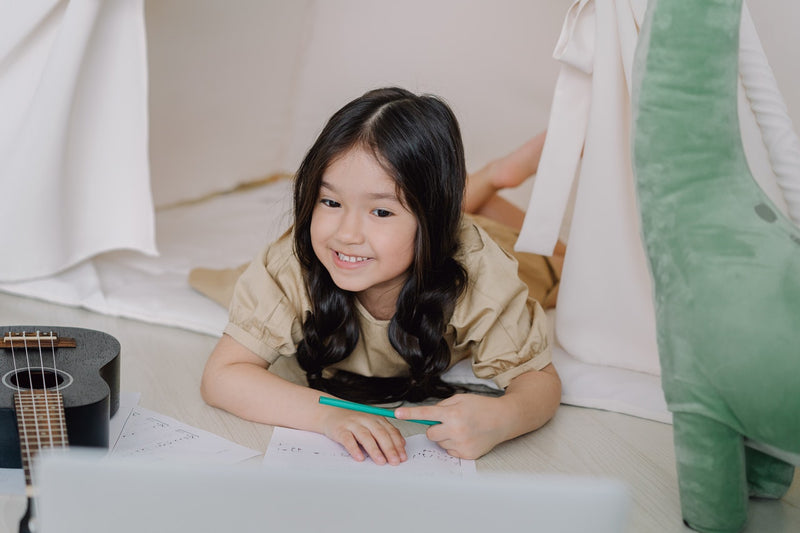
(87, 377)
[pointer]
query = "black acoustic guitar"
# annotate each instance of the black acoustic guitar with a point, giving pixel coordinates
(60, 387)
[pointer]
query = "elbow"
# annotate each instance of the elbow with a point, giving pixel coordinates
(206, 390)
(548, 395)
(535, 397)
(555, 389)
(556, 385)
(227, 373)
(209, 386)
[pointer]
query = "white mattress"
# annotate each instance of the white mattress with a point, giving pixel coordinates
(228, 230)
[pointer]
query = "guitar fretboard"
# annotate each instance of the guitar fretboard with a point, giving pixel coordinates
(41, 424)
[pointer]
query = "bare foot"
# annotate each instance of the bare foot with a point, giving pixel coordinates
(510, 171)
(506, 172)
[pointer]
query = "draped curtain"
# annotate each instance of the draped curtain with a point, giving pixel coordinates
(74, 172)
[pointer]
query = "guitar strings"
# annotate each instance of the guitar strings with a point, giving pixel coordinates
(44, 388)
(53, 349)
(33, 402)
(62, 422)
(23, 430)
(24, 426)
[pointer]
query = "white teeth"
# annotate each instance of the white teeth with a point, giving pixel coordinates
(350, 258)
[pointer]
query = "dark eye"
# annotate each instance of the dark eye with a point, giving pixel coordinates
(382, 213)
(330, 203)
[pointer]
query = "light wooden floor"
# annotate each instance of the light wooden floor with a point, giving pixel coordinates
(164, 365)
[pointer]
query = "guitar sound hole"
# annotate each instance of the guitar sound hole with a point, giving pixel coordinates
(37, 379)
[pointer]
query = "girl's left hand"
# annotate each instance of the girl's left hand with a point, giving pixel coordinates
(471, 425)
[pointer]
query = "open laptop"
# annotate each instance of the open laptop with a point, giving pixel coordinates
(83, 494)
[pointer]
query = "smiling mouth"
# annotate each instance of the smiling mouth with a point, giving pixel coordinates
(351, 258)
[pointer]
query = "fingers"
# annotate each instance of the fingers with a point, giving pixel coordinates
(384, 445)
(399, 444)
(351, 445)
(441, 433)
(371, 436)
(468, 427)
(426, 412)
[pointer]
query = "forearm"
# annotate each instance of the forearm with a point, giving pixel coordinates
(254, 393)
(240, 382)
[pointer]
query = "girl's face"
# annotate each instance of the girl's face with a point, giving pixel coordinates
(362, 233)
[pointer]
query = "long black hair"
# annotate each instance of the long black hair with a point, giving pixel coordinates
(416, 139)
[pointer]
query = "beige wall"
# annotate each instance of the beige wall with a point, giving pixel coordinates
(239, 90)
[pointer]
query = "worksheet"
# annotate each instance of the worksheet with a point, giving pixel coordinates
(146, 435)
(151, 436)
(292, 448)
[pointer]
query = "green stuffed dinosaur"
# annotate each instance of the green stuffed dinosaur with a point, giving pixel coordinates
(725, 264)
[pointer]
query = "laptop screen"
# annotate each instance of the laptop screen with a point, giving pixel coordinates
(83, 494)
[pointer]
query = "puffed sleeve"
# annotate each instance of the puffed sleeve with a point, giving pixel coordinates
(269, 303)
(496, 323)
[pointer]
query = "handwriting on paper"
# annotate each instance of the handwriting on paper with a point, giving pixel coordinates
(295, 448)
(155, 437)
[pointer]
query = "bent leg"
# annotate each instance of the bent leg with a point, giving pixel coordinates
(501, 210)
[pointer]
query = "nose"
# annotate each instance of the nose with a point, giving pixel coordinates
(350, 230)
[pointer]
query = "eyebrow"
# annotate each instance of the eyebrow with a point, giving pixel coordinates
(371, 196)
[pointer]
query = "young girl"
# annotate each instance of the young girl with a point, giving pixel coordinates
(380, 286)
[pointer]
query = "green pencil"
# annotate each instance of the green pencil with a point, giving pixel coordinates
(368, 409)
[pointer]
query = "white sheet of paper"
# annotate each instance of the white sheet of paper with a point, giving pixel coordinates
(305, 449)
(151, 436)
(127, 401)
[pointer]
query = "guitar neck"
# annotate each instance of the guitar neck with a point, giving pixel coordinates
(41, 424)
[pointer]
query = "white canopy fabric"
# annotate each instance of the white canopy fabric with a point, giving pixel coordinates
(74, 170)
(605, 313)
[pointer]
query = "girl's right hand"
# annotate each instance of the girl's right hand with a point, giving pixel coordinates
(238, 380)
(362, 432)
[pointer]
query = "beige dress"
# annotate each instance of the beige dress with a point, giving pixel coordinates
(495, 323)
